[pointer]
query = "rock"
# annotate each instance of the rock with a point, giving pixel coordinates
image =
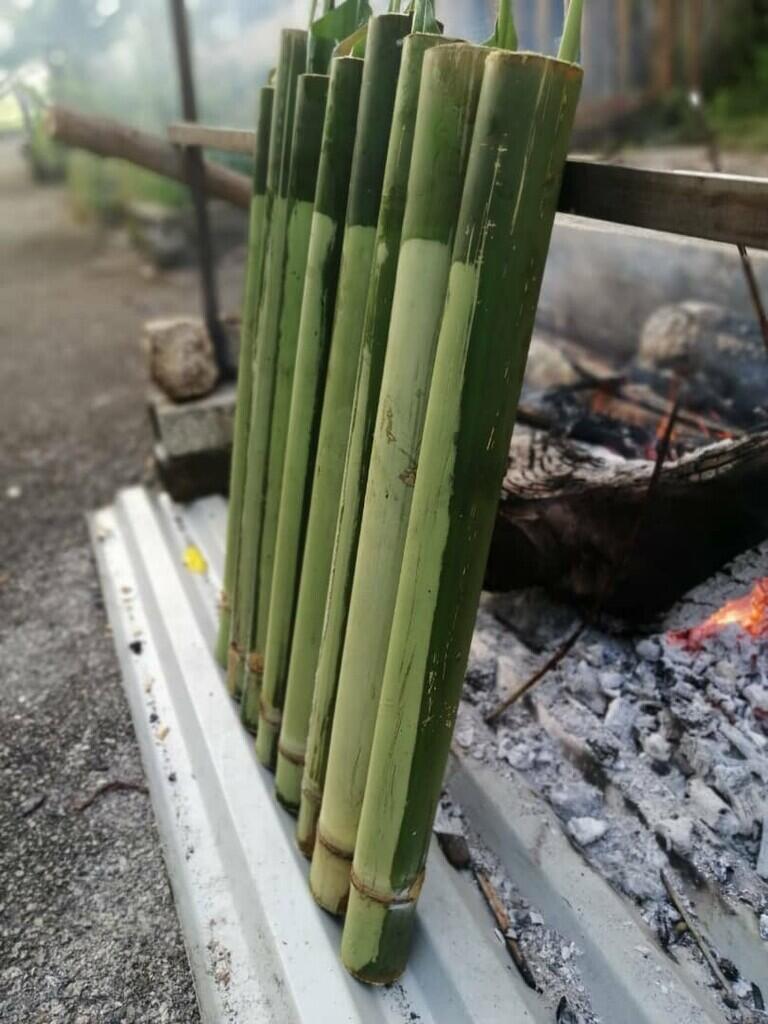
(620, 717)
(519, 755)
(181, 357)
(481, 668)
(711, 809)
(465, 737)
(576, 799)
(657, 746)
(757, 696)
(677, 833)
(648, 649)
(455, 848)
(548, 367)
(611, 683)
(763, 925)
(587, 830)
(584, 684)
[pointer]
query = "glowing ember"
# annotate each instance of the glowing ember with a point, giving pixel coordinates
(749, 612)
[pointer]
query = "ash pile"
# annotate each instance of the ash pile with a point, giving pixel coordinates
(642, 731)
(651, 746)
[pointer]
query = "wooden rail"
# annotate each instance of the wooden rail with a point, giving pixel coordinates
(226, 140)
(716, 207)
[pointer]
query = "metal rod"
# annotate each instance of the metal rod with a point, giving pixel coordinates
(193, 160)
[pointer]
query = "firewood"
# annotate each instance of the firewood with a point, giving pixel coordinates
(567, 509)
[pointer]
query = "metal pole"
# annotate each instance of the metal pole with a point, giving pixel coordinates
(193, 163)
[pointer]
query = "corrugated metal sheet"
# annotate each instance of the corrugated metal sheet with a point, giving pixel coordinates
(261, 951)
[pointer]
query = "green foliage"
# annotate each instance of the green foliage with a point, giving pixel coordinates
(504, 33)
(47, 159)
(737, 111)
(424, 19)
(349, 19)
(570, 45)
(102, 189)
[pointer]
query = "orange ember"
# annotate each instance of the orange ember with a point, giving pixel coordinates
(749, 612)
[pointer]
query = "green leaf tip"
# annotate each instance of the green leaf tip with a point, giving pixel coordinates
(570, 44)
(332, 28)
(504, 33)
(424, 18)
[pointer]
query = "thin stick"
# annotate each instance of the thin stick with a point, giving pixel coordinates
(115, 785)
(754, 291)
(562, 652)
(501, 917)
(696, 935)
(661, 456)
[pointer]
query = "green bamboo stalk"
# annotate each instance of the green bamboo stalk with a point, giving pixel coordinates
(447, 105)
(293, 55)
(329, 393)
(318, 306)
(521, 140)
(259, 221)
(319, 630)
(311, 99)
(570, 44)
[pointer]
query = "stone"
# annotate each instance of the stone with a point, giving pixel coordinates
(677, 833)
(611, 683)
(481, 668)
(620, 717)
(711, 809)
(648, 649)
(181, 357)
(576, 799)
(763, 925)
(587, 830)
(657, 746)
(757, 696)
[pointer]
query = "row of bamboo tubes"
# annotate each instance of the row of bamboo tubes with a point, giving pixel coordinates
(401, 214)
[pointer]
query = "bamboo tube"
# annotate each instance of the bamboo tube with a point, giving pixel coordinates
(312, 94)
(521, 139)
(291, 64)
(328, 434)
(449, 90)
(259, 221)
(319, 630)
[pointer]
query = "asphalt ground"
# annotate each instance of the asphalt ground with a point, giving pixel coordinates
(88, 930)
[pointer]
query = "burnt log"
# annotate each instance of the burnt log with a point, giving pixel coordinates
(577, 519)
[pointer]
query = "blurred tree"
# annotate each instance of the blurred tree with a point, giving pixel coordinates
(58, 32)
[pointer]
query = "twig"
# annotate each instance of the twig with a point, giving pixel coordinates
(501, 917)
(696, 935)
(561, 653)
(662, 452)
(115, 785)
(754, 291)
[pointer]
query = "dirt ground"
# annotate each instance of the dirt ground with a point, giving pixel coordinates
(88, 931)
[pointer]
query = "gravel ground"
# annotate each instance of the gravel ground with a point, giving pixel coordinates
(88, 931)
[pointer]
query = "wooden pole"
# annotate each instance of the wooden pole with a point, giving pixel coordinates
(193, 162)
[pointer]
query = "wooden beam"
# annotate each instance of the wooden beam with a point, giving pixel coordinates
(108, 138)
(717, 207)
(226, 140)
